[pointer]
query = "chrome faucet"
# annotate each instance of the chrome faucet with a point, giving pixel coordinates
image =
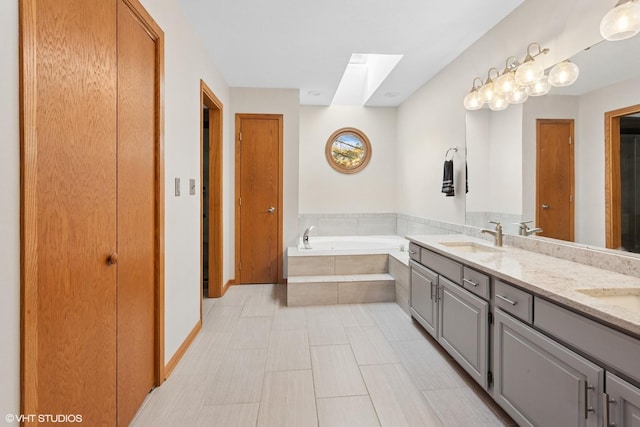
(305, 237)
(524, 230)
(497, 234)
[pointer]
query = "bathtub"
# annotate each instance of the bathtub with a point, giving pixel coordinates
(366, 244)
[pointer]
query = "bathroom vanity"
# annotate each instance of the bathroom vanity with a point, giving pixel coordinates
(554, 342)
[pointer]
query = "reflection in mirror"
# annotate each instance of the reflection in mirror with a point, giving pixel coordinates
(348, 150)
(502, 147)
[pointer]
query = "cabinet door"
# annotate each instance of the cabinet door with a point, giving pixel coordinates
(539, 382)
(424, 306)
(463, 326)
(624, 406)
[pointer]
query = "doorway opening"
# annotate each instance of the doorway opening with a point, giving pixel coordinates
(211, 193)
(622, 179)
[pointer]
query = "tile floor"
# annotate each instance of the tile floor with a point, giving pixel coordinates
(257, 362)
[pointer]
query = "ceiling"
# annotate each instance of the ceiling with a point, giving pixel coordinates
(306, 45)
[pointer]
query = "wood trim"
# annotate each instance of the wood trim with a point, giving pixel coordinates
(28, 208)
(613, 217)
(157, 35)
(571, 122)
(216, 115)
(230, 282)
(280, 118)
(177, 356)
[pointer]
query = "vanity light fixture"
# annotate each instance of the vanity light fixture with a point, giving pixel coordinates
(531, 71)
(506, 83)
(621, 22)
(487, 91)
(499, 103)
(539, 88)
(518, 96)
(563, 73)
(473, 100)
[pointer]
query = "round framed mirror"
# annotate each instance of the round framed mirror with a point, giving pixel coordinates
(348, 150)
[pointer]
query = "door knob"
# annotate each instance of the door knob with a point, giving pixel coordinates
(271, 209)
(112, 259)
(545, 206)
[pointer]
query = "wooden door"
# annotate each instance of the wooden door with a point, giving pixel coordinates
(136, 213)
(555, 178)
(69, 208)
(259, 208)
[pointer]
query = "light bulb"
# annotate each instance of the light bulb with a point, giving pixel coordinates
(506, 83)
(473, 100)
(541, 87)
(563, 74)
(518, 96)
(530, 72)
(487, 91)
(621, 22)
(498, 103)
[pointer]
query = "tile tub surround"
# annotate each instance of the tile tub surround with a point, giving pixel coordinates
(551, 277)
(346, 277)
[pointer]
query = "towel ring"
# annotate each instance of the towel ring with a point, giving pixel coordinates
(454, 149)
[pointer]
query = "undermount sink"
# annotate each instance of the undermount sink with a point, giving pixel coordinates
(471, 247)
(628, 298)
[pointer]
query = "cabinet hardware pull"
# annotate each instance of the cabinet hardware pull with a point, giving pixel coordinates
(431, 290)
(605, 410)
(412, 252)
(505, 299)
(587, 409)
(474, 284)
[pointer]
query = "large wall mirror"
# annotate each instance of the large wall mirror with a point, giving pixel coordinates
(508, 162)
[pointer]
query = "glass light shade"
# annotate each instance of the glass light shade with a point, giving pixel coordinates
(487, 91)
(518, 96)
(473, 100)
(498, 103)
(563, 74)
(541, 87)
(505, 84)
(621, 22)
(530, 72)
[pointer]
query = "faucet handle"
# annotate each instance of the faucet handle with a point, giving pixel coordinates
(525, 222)
(497, 223)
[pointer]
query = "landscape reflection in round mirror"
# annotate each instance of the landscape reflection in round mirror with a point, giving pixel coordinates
(348, 150)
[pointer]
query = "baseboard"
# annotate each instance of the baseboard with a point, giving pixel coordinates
(173, 362)
(226, 286)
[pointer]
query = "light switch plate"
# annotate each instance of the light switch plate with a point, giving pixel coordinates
(177, 186)
(192, 187)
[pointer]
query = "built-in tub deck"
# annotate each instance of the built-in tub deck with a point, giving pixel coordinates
(348, 270)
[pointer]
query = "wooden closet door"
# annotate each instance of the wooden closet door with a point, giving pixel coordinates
(136, 213)
(69, 208)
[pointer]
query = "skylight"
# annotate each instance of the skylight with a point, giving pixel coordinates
(363, 76)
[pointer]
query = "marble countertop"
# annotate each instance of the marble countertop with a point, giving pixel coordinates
(553, 278)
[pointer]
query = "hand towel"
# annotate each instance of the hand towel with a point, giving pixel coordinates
(447, 179)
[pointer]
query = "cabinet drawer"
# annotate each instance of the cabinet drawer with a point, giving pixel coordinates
(615, 349)
(514, 301)
(414, 251)
(442, 265)
(476, 282)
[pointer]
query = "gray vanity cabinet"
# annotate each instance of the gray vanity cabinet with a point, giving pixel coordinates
(539, 382)
(423, 297)
(463, 328)
(623, 402)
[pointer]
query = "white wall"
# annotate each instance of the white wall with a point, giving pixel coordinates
(590, 197)
(323, 189)
(287, 103)
(433, 118)
(186, 62)
(9, 212)
(478, 141)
